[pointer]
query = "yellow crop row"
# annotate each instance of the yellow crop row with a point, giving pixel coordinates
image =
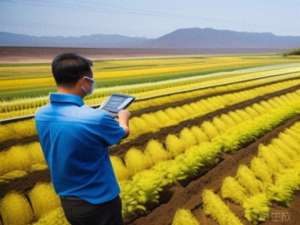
(274, 175)
(193, 92)
(168, 70)
(21, 157)
(111, 65)
(184, 217)
(214, 206)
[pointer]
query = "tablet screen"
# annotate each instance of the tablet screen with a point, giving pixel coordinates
(117, 102)
(114, 102)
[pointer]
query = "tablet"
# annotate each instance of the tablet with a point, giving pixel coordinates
(117, 102)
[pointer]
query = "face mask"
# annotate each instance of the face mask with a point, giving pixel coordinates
(89, 92)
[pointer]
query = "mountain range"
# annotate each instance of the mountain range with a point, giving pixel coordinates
(187, 38)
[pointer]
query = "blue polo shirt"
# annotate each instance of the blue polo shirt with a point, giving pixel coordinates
(75, 140)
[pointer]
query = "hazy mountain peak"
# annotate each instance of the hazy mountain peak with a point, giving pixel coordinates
(194, 38)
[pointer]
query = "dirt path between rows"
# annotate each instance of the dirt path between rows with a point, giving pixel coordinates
(25, 184)
(11, 54)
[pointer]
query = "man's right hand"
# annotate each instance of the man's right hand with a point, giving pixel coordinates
(123, 117)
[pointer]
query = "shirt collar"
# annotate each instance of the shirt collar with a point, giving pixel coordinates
(66, 98)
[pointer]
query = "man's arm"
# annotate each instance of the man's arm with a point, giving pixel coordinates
(123, 118)
(112, 130)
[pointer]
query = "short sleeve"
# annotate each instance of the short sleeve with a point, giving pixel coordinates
(110, 130)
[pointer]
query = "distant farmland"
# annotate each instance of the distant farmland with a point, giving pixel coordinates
(45, 54)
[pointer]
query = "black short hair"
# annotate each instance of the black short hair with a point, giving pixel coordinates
(68, 68)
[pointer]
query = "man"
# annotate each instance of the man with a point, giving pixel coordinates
(75, 140)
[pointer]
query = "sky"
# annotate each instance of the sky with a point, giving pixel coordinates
(146, 18)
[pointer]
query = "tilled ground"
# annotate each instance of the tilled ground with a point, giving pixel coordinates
(46, 54)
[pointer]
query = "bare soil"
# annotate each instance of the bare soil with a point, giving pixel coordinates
(46, 54)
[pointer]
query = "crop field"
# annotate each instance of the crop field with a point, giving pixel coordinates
(214, 140)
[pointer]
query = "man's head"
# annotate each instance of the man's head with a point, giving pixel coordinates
(73, 74)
